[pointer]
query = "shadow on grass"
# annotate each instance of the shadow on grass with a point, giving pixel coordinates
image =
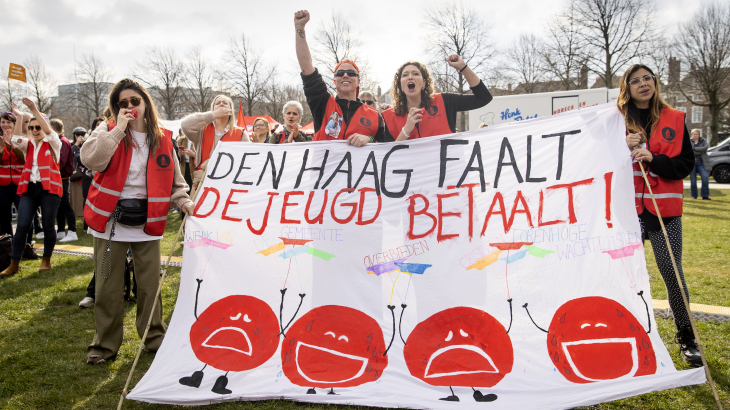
(30, 280)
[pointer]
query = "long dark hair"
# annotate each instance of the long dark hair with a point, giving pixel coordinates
(154, 132)
(627, 107)
(400, 102)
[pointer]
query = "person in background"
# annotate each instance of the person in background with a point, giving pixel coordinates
(40, 185)
(368, 98)
(293, 112)
(668, 159)
(135, 168)
(206, 129)
(187, 155)
(261, 130)
(12, 162)
(343, 116)
(418, 112)
(702, 165)
(66, 166)
(76, 195)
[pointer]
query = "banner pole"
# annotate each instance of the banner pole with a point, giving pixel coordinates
(684, 294)
(154, 305)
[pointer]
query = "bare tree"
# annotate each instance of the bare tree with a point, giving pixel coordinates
(335, 40)
(614, 32)
(10, 92)
(90, 92)
(704, 43)
(200, 80)
(525, 61)
(249, 74)
(41, 84)
(277, 95)
(456, 29)
(163, 73)
(563, 52)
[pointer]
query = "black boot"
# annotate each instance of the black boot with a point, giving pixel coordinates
(688, 347)
(478, 396)
(29, 252)
(220, 385)
(194, 380)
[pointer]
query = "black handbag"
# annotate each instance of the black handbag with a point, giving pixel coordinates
(132, 212)
(6, 250)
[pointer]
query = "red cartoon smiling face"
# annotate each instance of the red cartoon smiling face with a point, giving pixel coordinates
(333, 346)
(460, 346)
(594, 338)
(235, 333)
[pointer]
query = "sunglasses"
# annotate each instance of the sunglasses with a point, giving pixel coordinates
(134, 101)
(34, 127)
(368, 102)
(350, 73)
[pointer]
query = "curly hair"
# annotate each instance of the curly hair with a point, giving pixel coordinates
(151, 117)
(627, 107)
(400, 102)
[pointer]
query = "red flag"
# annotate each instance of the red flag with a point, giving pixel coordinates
(241, 121)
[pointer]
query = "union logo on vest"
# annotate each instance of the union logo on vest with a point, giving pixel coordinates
(365, 122)
(432, 109)
(668, 134)
(163, 161)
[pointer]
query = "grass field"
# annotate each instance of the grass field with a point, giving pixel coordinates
(43, 334)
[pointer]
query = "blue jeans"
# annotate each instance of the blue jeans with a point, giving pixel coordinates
(7, 198)
(36, 197)
(693, 180)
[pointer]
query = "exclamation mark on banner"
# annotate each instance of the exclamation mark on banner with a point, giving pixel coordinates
(608, 177)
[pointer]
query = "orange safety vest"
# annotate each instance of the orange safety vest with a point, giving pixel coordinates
(209, 136)
(364, 121)
(47, 168)
(433, 122)
(106, 187)
(11, 167)
(666, 139)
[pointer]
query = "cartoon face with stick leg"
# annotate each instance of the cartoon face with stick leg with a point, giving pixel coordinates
(460, 346)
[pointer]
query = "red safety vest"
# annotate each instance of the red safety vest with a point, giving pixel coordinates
(47, 168)
(666, 139)
(11, 167)
(209, 136)
(364, 121)
(433, 122)
(106, 187)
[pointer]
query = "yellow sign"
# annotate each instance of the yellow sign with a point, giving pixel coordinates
(17, 72)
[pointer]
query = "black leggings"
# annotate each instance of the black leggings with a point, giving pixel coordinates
(664, 263)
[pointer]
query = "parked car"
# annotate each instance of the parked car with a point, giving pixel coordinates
(720, 162)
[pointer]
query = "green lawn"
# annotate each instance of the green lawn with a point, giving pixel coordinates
(43, 334)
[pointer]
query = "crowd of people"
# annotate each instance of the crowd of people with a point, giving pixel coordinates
(120, 171)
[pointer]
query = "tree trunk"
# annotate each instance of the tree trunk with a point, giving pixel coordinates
(714, 124)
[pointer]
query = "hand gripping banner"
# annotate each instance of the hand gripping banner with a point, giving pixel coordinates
(500, 265)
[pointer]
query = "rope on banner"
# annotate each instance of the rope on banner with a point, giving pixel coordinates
(684, 294)
(154, 305)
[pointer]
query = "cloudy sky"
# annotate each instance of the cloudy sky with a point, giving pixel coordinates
(119, 31)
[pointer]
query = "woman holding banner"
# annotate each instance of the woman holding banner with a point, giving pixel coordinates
(658, 137)
(126, 208)
(293, 112)
(418, 113)
(205, 129)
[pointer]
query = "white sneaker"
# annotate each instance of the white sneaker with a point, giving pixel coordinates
(39, 235)
(86, 302)
(60, 235)
(70, 237)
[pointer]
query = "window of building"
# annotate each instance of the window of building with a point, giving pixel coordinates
(696, 114)
(683, 109)
(681, 98)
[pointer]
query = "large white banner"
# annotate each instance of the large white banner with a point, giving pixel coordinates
(501, 265)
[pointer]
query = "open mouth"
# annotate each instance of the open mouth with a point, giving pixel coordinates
(459, 359)
(603, 359)
(321, 365)
(411, 86)
(229, 338)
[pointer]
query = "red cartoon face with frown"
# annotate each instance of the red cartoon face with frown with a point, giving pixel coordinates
(236, 333)
(593, 339)
(460, 346)
(333, 346)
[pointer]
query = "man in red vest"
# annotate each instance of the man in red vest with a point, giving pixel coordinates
(343, 117)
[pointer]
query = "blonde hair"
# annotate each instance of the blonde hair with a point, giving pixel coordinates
(231, 118)
(699, 131)
(629, 109)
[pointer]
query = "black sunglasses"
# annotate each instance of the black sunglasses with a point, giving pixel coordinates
(34, 127)
(350, 73)
(368, 102)
(134, 101)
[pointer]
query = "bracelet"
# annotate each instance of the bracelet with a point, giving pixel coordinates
(371, 138)
(403, 130)
(462, 70)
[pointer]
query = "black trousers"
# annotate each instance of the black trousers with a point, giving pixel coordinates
(66, 213)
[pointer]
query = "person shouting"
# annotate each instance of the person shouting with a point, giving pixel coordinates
(341, 117)
(290, 132)
(418, 112)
